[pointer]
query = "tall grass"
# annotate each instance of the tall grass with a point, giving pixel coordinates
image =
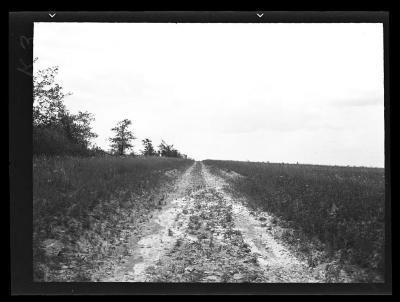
(341, 206)
(77, 196)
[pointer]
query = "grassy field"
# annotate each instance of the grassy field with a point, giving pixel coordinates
(80, 206)
(342, 207)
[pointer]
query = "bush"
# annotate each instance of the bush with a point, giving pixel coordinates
(54, 141)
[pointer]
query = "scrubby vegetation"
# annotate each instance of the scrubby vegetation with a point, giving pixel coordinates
(80, 207)
(341, 206)
(84, 196)
(57, 131)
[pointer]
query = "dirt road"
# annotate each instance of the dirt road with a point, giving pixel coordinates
(202, 234)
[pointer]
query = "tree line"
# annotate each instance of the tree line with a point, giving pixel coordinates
(123, 137)
(57, 131)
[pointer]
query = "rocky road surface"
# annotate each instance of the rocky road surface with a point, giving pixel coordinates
(202, 234)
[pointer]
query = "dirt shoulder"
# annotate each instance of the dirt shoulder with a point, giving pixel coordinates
(152, 238)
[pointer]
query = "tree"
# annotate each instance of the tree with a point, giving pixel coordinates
(48, 98)
(55, 130)
(123, 137)
(168, 150)
(165, 150)
(148, 149)
(78, 128)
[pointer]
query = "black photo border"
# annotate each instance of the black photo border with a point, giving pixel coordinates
(20, 152)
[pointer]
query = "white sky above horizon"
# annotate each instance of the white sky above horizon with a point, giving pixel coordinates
(307, 93)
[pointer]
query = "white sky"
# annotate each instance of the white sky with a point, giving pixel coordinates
(307, 93)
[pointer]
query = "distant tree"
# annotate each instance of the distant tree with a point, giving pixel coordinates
(148, 149)
(166, 150)
(123, 137)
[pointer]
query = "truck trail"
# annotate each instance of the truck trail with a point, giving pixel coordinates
(202, 234)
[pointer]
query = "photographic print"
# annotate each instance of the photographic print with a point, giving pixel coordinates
(208, 152)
